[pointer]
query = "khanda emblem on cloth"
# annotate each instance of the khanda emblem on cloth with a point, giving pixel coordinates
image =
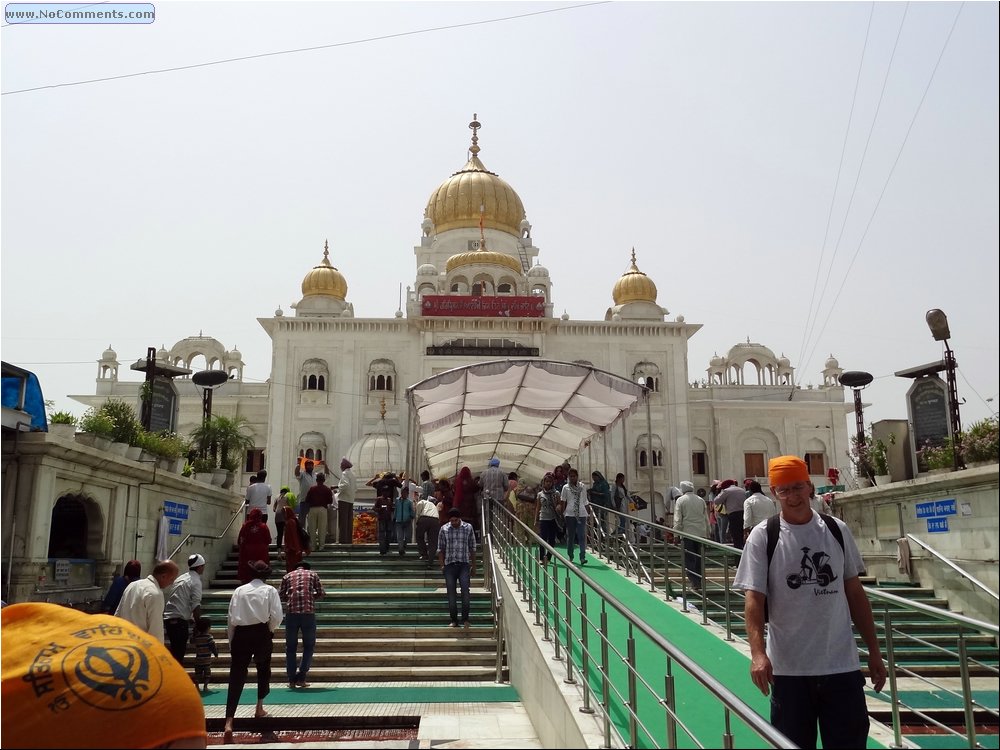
(121, 672)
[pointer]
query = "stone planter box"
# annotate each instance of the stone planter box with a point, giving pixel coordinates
(63, 431)
(93, 441)
(118, 449)
(133, 453)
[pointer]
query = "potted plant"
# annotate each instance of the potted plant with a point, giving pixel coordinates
(62, 424)
(860, 455)
(127, 428)
(201, 470)
(97, 429)
(981, 443)
(878, 454)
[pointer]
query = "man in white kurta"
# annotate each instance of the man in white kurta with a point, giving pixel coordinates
(142, 602)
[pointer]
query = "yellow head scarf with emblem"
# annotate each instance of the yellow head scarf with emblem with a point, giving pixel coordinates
(76, 680)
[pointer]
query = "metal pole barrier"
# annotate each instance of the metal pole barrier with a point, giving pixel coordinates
(570, 680)
(963, 666)
(584, 653)
(633, 698)
(670, 697)
(604, 674)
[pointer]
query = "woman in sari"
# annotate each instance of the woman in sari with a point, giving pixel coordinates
(444, 499)
(294, 549)
(254, 543)
(465, 496)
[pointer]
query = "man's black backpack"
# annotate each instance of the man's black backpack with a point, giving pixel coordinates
(774, 529)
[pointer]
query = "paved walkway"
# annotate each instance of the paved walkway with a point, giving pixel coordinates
(451, 714)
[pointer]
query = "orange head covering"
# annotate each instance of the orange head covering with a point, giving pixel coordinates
(90, 681)
(787, 470)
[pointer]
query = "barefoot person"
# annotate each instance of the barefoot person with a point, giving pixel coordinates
(254, 615)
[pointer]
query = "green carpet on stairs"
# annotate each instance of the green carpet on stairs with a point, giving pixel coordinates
(323, 694)
(697, 708)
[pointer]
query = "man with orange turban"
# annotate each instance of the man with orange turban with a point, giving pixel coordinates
(92, 681)
(810, 584)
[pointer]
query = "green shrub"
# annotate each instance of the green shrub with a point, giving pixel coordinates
(202, 465)
(982, 441)
(127, 427)
(61, 417)
(97, 423)
(937, 456)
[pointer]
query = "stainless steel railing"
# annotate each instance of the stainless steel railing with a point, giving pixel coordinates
(957, 568)
(610, 676)
(213, 537)
(490, 578)
(718, 561)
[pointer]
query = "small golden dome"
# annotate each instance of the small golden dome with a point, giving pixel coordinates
(473, 195)
(488, 257)
(634, 286)
(324, 279)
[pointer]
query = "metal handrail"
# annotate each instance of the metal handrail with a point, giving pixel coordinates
(490, 578)
(551, 601)
(958, 569)
(892, 637)
(208, 536)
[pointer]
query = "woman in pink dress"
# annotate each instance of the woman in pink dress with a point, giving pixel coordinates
(254, 542)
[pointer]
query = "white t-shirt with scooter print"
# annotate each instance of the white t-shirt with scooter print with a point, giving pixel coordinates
(809, 630)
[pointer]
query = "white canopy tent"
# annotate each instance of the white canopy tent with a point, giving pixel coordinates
(531, 414)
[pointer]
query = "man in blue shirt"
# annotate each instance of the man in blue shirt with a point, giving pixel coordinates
(457, 555)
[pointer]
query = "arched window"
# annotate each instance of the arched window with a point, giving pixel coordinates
(315, 374)
(648, 374)
(312, 446)
(649, 449)
(381, 378)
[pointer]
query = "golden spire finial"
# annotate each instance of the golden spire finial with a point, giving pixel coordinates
(474, 126)
(382, 409)
(326, 250)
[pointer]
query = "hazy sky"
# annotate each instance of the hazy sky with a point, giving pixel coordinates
(724, 141)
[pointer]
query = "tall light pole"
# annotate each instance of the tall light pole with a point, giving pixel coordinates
(937, 321)
(857, 380)
(209, 380)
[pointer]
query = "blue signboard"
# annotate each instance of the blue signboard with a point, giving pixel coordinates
(174, 526)
(937, 525)
(179, 510)
(937, 508)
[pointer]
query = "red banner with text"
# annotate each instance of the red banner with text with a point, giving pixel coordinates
(483, 307)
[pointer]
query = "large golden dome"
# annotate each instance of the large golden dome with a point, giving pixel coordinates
(634, 286)
(324, 279)
(475, 194)
(488, 257)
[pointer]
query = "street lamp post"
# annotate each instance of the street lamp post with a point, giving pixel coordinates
(937, 321)
(209, 380)
(857, 380)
